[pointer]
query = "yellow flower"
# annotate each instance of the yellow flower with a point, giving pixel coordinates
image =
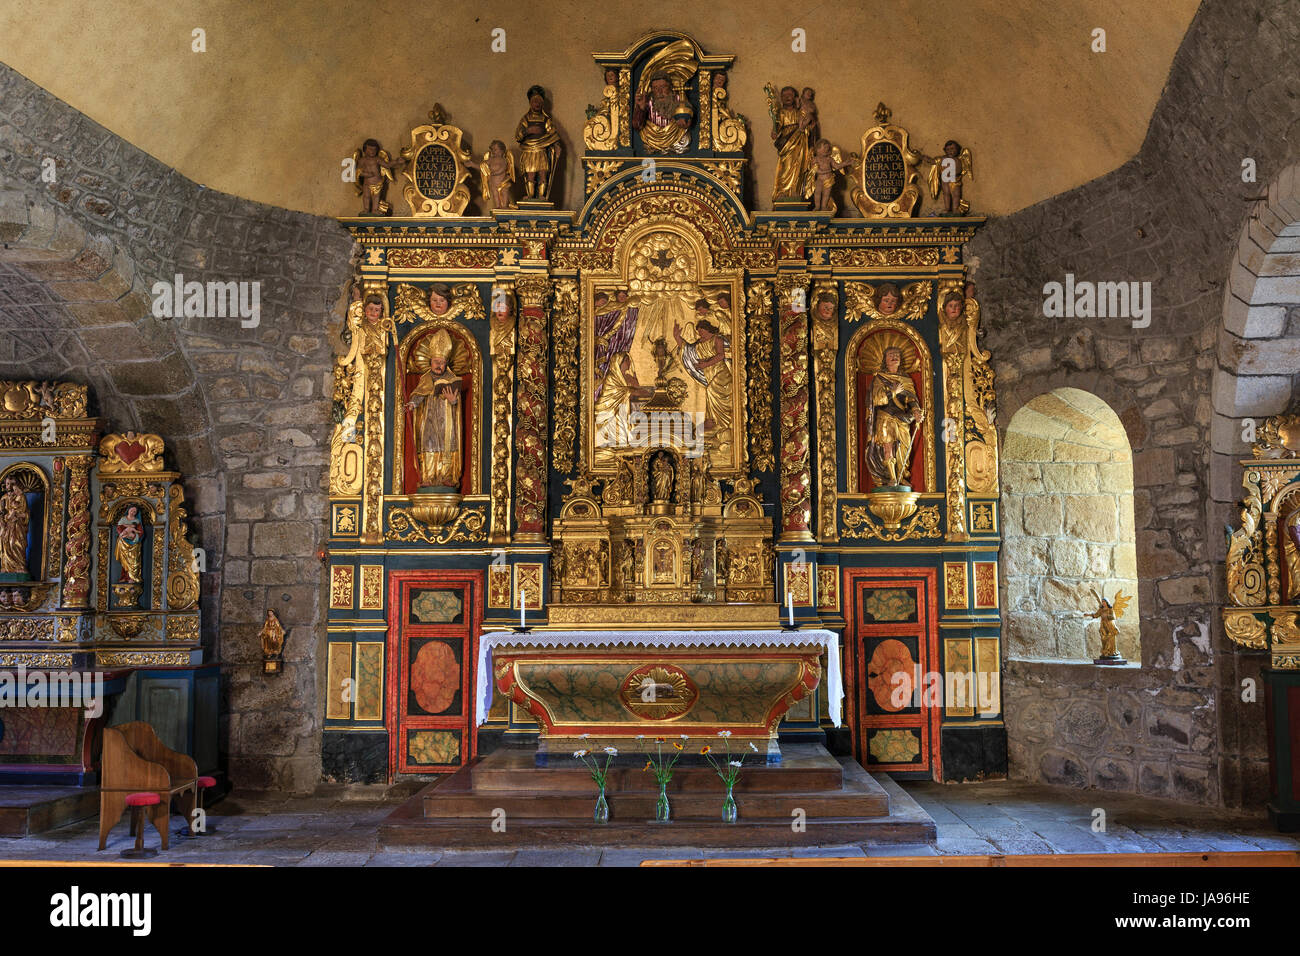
(660, 740)
(677, 745)
(649, 764)
(705, 749)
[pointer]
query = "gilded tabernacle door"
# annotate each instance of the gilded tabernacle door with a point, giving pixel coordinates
(663, 352)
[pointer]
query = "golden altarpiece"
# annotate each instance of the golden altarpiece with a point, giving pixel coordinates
(1263, 598)
(99, 590)
(661, 409)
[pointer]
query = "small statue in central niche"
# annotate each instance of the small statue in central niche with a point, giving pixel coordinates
(662, 478)
(893, 421)
(539, 146)
(663, 117)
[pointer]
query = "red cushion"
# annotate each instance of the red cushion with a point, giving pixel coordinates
(142, 799)
(206, 782)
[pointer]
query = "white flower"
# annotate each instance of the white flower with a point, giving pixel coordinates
(583, 736)
(684, 737)
(640, 736)
(612, 751)
(735, 763)
(752, 747)
(580, 753)
(724, 733)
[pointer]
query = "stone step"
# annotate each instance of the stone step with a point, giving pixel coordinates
(25, 810)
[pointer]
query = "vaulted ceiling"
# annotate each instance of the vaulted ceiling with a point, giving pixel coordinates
(287, 89)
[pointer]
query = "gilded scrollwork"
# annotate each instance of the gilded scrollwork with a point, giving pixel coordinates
(467, 526)
(860, 523)
(531, 402)
(182, 577)
(952, 342)
(443, 259)
(1245, 629)
(759, 328)
(566, 374)
(876, 258)
(599, 171)
(1244, 565)
(21, 401)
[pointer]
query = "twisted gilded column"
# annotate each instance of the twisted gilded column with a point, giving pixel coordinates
(502, 347)
(796, 478)
(530, 427)
(76, 565)
(825, 345)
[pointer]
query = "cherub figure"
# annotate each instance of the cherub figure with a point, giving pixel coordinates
(1107, 612)
(826, 162)
(498, 172)
(946, 175)
(374, 170)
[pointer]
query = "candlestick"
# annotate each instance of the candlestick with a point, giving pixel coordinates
(789, 603)
(523, 600)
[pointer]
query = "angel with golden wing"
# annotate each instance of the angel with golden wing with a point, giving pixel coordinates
(439, 301)
(1107, 613)
(498, 175)
(946, 175)
(374, 171)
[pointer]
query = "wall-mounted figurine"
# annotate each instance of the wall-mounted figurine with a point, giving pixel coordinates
(374, 171)
(539, 146)
(946, 175)
(790, 136)
(1107, 612)
(498, 172)
(272, 637)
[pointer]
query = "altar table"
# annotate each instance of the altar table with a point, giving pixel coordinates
(625, 687)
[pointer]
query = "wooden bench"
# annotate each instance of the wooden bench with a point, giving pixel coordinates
(134, 760)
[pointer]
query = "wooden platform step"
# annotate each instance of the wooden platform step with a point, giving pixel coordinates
(458, 812)
(804, 768)
(25, 810)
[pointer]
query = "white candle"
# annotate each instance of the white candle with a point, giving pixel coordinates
(523, 598)
(789, 603)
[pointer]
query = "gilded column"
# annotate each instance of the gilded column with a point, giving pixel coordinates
(796, 478)
(981, 402)
(566, 375)
(530, 429)
(502, 347)
(759, 372)
(76, 565)
(374, 357)
(952, 343)
(825, 344)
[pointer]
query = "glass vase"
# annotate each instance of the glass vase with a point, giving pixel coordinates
(661, 806)
(602, 808)
(729, 807)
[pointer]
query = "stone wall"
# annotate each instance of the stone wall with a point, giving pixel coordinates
(1067, 523)
(244, 411)
(1173, 216)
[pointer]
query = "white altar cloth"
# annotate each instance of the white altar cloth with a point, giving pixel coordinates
(833, 684)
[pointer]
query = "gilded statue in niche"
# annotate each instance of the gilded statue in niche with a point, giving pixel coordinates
(1290, 526)
(128, 549)
(15, 517)
(435, 406)
(661, 113)
(893, 419)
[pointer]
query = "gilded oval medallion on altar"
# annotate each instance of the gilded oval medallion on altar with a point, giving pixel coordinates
(658, 692)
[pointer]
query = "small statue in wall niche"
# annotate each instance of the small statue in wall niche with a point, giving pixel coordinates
(539, 145)
(946, 175)
(15, 517)
(820, 181)
(662, 478)
(374, 171)
(130, 537)
(1107, 612)
(498, 172)
(272, 637)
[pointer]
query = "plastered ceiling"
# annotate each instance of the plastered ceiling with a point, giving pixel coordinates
(287, 89)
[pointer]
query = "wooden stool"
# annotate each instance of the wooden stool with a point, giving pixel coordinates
(201, 784)
(137, 802)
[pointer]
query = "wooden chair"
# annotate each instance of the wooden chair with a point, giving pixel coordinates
(134, 760)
